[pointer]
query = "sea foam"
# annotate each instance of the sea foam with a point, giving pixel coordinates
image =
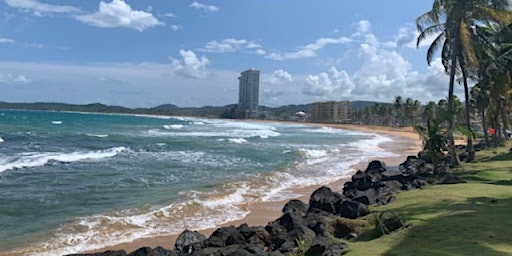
(33, 159)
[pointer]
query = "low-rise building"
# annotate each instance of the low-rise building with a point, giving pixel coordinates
(331, 111)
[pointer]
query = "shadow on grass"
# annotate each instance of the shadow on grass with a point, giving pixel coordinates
(479, 226)
(487, 176)
(502, 157)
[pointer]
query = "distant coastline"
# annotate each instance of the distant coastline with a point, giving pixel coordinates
(282, 113)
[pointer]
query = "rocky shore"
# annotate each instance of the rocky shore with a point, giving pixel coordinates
(319, 227)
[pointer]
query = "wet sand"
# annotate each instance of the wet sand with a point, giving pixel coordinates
(405, 142)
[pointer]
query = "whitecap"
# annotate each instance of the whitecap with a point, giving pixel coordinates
(173, 126)
(97, 135)
(56, 122)
(235, 140)
(1, 140)
(33, 159)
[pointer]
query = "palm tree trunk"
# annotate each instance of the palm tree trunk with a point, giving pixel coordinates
(451, 114)
(469, 147)
(484, 126)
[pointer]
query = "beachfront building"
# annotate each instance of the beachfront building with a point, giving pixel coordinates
(331, 111)
(249, 89)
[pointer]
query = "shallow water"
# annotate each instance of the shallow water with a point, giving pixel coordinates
(73, 182)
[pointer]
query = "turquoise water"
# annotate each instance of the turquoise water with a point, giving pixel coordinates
(72, 182)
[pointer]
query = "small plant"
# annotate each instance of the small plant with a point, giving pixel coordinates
(435, 139)
(300, 245)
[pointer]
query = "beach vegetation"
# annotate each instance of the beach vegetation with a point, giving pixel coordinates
(452, 23)
(463, 219)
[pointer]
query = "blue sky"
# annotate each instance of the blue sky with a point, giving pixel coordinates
(190, 53)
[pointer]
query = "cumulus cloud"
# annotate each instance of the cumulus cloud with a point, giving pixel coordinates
(14, 79)
(309, 50)
(232, 45)
(190, 65)
(40, 8)
(204, 7)
(382, 74)
(6, 41)
(119, 14)
(277, 77)
(332, 85)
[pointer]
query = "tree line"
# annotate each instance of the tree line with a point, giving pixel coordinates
(474, 41)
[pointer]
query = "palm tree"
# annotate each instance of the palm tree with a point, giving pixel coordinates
(495, 52)
(453, 21)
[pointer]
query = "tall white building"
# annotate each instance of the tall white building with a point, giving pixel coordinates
(249, 89)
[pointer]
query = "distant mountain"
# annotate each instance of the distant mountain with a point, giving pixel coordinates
(282, 112)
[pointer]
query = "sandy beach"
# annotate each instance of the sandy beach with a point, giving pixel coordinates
(404, 142)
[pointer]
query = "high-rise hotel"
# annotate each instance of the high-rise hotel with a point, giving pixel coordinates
(249, 89)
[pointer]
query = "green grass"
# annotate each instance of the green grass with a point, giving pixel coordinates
(474, 218)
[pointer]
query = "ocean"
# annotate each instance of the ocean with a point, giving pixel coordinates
(74, 182)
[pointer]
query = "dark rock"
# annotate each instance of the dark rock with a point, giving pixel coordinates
(317, 221)
(296, 206)
(255, 235)
(388, 222)
(367, 197)
(288, 228)
(187, 238)
(231, 250)
(288, 246)
(335, 250)
(224, 236)
(351, 209)
(318, 245)
(159, 251)
(324, 199)
(106, 253)
(376, 165)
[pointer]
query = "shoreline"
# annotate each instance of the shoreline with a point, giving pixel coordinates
(404, 142)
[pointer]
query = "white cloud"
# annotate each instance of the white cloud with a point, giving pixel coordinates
(190, 66)
(6, 41)
(203, 7)
(309, 50)
(329, 86)
(176, 27)
(13, 79)
(407, 37)
(167, 15)
(40, 8)
(278, 77)
(226, 45)
(382, 74)
(119, 14)
(232, 45)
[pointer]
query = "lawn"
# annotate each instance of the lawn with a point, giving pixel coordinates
(474, 218)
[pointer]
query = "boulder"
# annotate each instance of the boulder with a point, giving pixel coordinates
(317, 221)
(106, 253)
(388, 222)
(288, 228)
(376, 165)
(187, 238)
(296, 206)
(159, 251)
(224, 236)
(324, 199)
(352, 209)
(335, 249)
(319, 245)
